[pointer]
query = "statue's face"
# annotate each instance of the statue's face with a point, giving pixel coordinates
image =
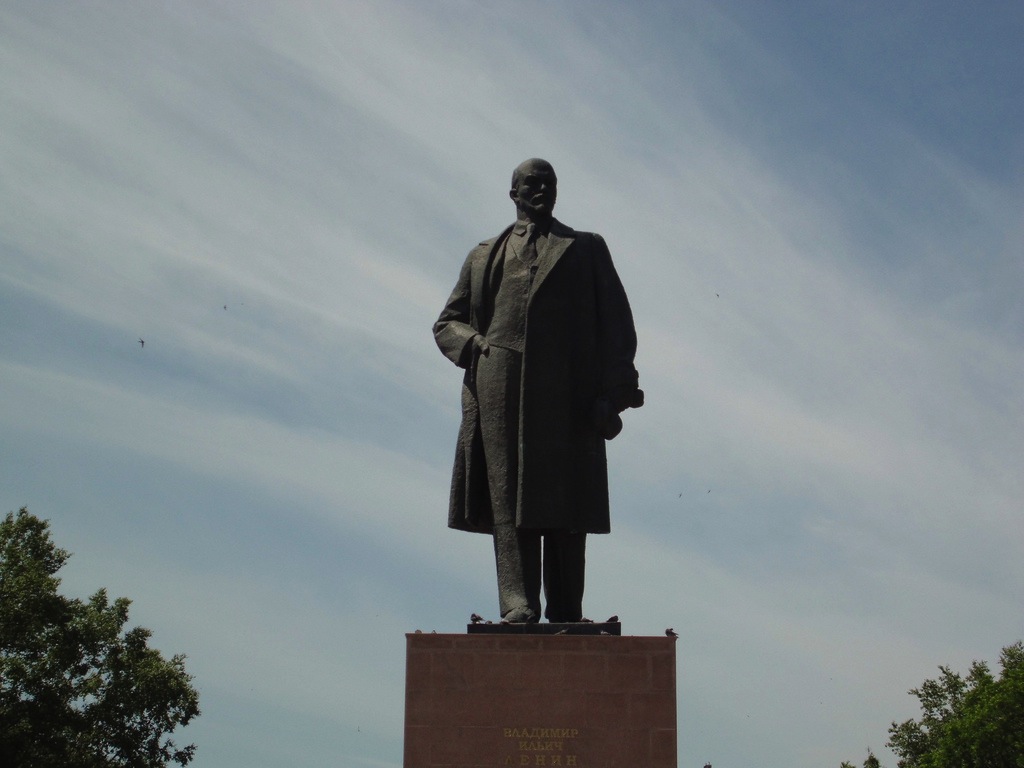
(534, 189)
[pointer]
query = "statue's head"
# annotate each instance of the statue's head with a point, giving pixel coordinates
(534, 189)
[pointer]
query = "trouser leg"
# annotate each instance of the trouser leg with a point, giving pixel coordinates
(516, 555)
(564, 568)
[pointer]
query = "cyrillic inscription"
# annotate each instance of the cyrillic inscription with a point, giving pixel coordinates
(541, 733)
(542, 747)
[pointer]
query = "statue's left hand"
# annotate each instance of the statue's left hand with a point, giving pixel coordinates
(626, 397)
(606, 419)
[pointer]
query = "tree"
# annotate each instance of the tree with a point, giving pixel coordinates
(76, 689)
(869, 762)
(967, 722)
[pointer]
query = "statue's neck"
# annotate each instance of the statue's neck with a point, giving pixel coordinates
(543, 223)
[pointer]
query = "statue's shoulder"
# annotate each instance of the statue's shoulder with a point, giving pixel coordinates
(484, 247)
(564, 230)
(589, 242)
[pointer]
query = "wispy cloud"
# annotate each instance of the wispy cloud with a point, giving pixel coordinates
(821, 493)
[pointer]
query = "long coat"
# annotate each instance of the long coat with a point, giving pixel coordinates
(579, 348)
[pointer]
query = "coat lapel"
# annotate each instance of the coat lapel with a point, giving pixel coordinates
(480, 279)
(559, 239)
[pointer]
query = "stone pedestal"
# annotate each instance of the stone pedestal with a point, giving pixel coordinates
(546, 701)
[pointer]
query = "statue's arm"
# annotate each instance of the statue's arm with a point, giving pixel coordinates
(453, 330)
(616, 332)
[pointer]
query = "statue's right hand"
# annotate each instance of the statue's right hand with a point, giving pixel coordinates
(480, 346)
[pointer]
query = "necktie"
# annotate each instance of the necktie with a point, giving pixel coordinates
(528, 251)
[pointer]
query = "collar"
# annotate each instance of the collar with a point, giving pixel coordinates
(519, 228)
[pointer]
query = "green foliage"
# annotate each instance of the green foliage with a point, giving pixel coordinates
(869, 762)
(975, 721)
(76, 689)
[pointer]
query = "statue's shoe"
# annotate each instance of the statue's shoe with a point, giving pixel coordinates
(520, 616)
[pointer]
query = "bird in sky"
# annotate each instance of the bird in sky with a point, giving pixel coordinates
(142, 342)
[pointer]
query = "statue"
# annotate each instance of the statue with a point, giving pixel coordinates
(542, 326)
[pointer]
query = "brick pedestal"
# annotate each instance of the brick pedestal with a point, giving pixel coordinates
(540, 700)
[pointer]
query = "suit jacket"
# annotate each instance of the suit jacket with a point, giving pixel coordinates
(579, 348)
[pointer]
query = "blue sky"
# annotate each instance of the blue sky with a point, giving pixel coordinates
(815, 209)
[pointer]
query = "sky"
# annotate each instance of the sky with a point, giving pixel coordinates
(815, 208)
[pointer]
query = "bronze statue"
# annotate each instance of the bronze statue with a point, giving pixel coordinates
(541, 324)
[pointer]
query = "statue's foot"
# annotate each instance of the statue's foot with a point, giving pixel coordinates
(520, 616)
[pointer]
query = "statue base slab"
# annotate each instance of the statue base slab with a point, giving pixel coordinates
(541, 700)
(546, 628)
